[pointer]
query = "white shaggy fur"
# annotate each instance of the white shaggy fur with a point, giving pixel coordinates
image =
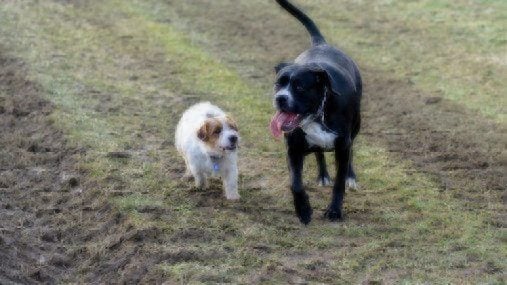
(316, 135)
(204, 160)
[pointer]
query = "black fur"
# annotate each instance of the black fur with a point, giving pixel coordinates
(317, 37)
(320, 71)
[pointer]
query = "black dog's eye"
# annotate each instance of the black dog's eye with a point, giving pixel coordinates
(282, 81)
(299, 88)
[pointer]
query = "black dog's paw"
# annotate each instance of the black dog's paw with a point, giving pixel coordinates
(333, 214)
(324, 180)
(305, 214)
(303, 209)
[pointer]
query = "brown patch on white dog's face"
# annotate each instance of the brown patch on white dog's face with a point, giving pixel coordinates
(210, 132)
(219, 134)
(231, 123)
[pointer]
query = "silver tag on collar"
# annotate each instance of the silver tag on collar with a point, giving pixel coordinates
(215, 162)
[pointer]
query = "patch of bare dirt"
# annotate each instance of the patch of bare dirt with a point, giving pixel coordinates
(55, 224)
(35, 194)
(459, 147)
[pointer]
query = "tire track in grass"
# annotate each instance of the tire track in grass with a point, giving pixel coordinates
(31, 157)
(386, 219)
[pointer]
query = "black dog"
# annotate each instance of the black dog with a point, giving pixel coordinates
(318, 100)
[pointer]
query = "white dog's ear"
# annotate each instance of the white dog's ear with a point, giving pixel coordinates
(232, 124)
(209, 130)
(203, 132)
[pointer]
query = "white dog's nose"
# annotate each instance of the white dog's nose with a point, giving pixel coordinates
(233, 139)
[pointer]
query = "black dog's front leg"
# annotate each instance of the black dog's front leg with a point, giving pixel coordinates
(342, 156)
(301, 203)
(323, 178)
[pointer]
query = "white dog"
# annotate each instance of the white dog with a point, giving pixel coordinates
(207, 139)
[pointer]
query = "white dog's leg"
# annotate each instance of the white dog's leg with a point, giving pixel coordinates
(230, 179)
(199, 177)
(201, 181)
(188, 174)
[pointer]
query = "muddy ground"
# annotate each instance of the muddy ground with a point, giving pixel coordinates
(36, 168)
(49, 211)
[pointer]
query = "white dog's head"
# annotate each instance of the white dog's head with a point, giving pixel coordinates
(219, 134)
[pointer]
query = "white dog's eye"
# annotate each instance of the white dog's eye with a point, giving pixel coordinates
(217, 131)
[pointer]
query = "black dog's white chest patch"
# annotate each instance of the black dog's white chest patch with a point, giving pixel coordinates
(316, 135)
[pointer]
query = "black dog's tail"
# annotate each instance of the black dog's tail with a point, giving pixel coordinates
(317, 37)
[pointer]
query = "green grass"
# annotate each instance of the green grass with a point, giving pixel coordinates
(120, 78)
(456, 49)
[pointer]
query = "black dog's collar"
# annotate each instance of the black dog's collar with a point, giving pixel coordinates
(320, 111)
(320, 115)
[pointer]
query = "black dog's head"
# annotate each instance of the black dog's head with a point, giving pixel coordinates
(299, 92)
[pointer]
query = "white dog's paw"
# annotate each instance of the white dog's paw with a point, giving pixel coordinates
(232, 196)
(201, 183)
(324, 181)
(351, 184)
(187, 176)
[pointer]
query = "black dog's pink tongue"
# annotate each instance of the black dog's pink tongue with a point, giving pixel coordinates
(280, 119)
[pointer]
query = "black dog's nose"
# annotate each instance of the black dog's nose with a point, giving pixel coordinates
(233, 139)
(281, 101)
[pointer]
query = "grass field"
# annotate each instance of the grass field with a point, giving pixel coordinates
(82, 81)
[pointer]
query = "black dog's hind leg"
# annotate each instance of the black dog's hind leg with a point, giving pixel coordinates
(342, 156)
(323, 178)
(351, 180)
(301, 203)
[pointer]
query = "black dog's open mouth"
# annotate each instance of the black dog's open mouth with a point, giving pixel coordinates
(284, 122)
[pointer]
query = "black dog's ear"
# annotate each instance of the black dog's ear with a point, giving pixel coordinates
(281, 66)
(328, 76)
